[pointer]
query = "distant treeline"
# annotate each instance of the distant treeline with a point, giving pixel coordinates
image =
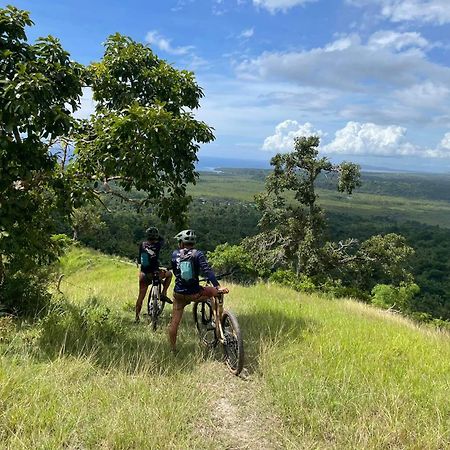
(408, 185)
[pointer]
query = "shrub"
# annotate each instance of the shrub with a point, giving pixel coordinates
(75, 328)
(289, 278)
(226, 258)
(387, 296)
(336, 289)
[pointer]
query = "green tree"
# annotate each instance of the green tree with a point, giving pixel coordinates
(40, 88)
(292, 224)
(143, 134)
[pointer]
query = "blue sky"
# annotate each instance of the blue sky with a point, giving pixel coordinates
(372, 77)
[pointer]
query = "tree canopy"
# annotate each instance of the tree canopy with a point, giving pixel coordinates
(143, 135)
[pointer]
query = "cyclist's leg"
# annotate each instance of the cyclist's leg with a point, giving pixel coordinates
(177, 314)
(166, 277)
(143, 286)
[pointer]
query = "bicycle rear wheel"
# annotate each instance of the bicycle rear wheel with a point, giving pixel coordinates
(233, 346)
(203, 318)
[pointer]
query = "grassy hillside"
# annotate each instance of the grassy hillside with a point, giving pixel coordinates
(243, 185)
(320, 374)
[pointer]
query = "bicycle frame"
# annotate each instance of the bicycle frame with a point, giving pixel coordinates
(217, 307)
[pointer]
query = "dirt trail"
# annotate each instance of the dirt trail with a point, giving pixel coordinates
(239, 419)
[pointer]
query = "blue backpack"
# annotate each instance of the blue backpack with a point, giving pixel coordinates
(146, 256)
(187, 268)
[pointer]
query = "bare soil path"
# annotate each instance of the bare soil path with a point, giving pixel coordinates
(238, 417)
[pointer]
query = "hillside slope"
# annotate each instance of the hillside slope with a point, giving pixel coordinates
(319, 374)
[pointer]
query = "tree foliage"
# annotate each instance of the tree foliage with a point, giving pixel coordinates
(40, 88)
(143, 134)
(292, 223)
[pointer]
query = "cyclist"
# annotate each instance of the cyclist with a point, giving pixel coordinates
(148, 258)
(187, 264)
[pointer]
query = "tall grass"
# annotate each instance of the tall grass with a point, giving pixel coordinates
(345, 375)
(332, 374)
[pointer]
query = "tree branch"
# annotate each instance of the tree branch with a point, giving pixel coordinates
(17, 135)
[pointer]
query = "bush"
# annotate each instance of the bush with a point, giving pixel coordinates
(26, 293)
(289, 278)
(75, 328)
(388, 296)
(7, 328)
(336, 289)
(226, 258)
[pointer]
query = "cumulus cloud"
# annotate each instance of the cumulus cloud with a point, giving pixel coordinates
(443, 149)
(356, 138)
(387, 60)
(428, 11)
(164, 44)
(370, 139)
(286, 132)
(279, 5)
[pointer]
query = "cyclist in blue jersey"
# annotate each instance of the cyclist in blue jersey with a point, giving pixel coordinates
(187, 264)
(148, 258)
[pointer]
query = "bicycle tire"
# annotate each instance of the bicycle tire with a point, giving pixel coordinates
(233, 346)
(206, 330)
(155, 305)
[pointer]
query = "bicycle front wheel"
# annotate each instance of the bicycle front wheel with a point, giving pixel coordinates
(203, 318)
(233, 345)
(155, 306)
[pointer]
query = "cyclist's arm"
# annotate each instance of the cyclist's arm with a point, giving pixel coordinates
(206, 269)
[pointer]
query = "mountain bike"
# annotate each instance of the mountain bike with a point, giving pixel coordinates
(155, 305)
(216, 325)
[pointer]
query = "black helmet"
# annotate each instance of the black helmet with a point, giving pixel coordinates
(186, 236)
(152, 233)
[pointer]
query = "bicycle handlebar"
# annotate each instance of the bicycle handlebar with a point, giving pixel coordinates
(218, 277)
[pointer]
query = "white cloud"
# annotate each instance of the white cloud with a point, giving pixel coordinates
(279, 5)
(397, 41)
(370, 139)
(429, 11)
(427, 95)
(164, 44)
(387, 60)
(443, 149)
(286, 132)
(248, 33)
(361, 139)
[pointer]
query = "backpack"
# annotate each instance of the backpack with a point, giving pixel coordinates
(145, 259)
(187, 268)
(146, 256)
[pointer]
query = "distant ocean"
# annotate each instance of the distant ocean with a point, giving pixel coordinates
(211, 164)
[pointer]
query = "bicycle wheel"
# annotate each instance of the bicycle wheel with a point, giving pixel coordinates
(155, 305)
(233, 346)
(203, 318)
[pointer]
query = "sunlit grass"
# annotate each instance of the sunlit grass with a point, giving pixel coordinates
(333, 373)
(345, 375)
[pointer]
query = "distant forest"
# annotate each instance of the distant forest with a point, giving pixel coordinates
(219, 220)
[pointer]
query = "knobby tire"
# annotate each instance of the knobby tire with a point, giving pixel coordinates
(233, 347)
(203, 322)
